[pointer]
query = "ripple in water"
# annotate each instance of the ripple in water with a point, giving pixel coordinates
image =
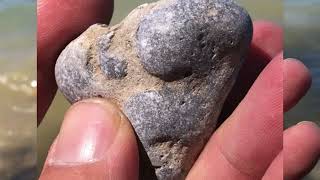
(17, 122)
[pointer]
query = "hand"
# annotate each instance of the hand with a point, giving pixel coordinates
(96, 141)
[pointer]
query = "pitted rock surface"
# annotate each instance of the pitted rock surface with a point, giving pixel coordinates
(170, 66)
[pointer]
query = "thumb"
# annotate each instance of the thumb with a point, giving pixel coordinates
(96, 141)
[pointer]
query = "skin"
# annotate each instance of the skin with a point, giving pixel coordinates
(249, 144)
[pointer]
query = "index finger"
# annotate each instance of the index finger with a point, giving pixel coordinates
(59, 22)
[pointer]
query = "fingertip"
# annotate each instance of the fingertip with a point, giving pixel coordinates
(297, 65)
(308, 133)
(96, 141)
(297, 81)
(302, 149)
(267, 38)
(311, 130)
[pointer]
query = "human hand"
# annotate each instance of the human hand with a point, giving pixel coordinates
(97, 142)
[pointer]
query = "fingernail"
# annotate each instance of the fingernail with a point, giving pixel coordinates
(310, 123)
(88, 131)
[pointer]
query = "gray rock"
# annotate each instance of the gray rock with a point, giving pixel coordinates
(169, 65)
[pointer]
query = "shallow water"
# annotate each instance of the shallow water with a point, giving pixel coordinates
(17, 89)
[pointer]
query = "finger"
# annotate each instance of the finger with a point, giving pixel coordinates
(267, 42)
(244, 146)
(275, 170)
(297, 81)
(300, 154)
(59, 22)
(267, 39)
(96, 141)
(301, 150)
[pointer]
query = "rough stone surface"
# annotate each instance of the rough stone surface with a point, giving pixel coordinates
(169, 65)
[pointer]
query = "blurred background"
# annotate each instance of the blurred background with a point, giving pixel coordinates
(301, 25)
(18, 90)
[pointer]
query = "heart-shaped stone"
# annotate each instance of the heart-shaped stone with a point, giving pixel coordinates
(169, 66)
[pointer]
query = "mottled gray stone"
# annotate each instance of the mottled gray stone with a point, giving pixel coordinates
(189, 36)
(112, 67)
(169, 65)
